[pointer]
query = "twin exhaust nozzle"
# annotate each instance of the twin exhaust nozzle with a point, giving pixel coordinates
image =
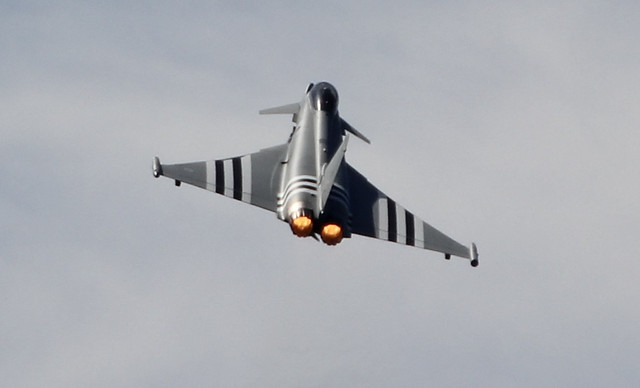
(302, 225)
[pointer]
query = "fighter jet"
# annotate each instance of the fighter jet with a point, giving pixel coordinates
(308, 184)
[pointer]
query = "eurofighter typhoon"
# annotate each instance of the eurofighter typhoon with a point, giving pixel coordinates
(308, 184)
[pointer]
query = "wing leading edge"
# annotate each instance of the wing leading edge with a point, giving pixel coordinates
(376, 215)
(251, 178)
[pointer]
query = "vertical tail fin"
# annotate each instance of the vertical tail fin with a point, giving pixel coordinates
(329, 173)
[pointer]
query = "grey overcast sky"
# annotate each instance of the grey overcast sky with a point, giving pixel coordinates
(511, 124)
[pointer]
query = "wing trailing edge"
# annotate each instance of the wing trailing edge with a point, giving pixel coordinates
(250, 178)
(376, 215)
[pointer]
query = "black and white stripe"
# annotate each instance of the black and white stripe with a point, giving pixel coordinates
(298, 184)
(230, 177)
(395, 223)
(339, 200)
(340, 195)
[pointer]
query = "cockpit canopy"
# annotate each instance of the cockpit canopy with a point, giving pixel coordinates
(324, 97)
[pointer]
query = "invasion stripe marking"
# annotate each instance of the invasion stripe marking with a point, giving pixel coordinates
(338, 200)
(383, 219)
(401, 226)
(219, 177)
(309, 178)
(411, 237)
(337, 192)
(246, 179)
(211, 174)
(300, 189)
(228, 177)
(391, 212)
(294, 185)
(301, 179)
(419, 232)
(237, 178)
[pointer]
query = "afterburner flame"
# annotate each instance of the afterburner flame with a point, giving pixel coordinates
(302, 226)
(331, 234)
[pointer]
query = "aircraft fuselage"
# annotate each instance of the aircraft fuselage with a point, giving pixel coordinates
(316, 138)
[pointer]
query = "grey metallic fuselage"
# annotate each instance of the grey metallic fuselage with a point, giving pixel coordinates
(316, 137)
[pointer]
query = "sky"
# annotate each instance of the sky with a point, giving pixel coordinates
(510, 124)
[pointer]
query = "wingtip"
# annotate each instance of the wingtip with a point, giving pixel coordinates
(473, 255)
(156, 167)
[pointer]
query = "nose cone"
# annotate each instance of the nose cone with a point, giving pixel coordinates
(324, 97)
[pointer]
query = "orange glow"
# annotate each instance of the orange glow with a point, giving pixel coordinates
(331, 234)
(302, 226)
